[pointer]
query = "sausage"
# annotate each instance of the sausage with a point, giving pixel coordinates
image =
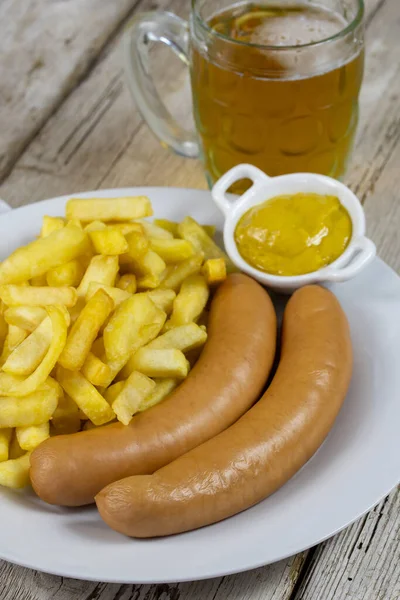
(227, 379)
(263, 449)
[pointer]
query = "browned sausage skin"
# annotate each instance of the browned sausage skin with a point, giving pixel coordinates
(228, 378)
(262, 450)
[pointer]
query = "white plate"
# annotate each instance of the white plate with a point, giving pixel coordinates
(355, 468)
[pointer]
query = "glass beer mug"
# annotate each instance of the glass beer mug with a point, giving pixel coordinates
(274, 83)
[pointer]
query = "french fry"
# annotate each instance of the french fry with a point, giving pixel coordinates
(88, 399)
(168, 225)
(138, 245)
(172, 227)
(74, 223)
(68, 274)
(44, 254)
(190, 302)
(24, 359)
(102, 269)
(5, 438)
(14, 338)
(30, 437)
(169, 363)
(66, 417)
(115, 293)
(214, 270)
(131, 320)
(18, 295)
(15, 473)
(184, 338)
(113, 391)
(94, 226)
(108, 241)
(172, 251)
(25, 317)
(148, 282)
(190, 266)
(163, 299)
(85, 329)
(162, 389)
(35, 409)
(96, 371)
(126, 228)
(127, 283)
(17, 386)
(191, 231)
(136, 388)
(50, 224)
(108, 209)
(153, 231)
(3, 329)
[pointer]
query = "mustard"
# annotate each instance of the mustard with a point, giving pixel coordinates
(294, 234)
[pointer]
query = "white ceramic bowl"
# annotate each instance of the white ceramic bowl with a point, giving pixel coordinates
(357, 255)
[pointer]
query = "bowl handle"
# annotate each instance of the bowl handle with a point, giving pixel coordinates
(220, 197)
(364, 250)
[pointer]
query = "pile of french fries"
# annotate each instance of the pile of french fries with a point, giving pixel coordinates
(101, 317)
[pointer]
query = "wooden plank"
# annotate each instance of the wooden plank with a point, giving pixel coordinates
(45, 48)
(269, 583)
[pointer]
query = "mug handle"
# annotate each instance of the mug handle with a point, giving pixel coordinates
(168, 29)
(219, 192)
(364, 250)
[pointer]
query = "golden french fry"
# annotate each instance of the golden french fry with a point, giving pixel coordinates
(115, 293)
(95, 226)
(150, 264)
(29, 354)
(163, 299)
(126, 228)
(182, 338)
(66, 417)
(191, 231)
(96, 371)
(25, 317)
(153, 231)
(50, 224)
(108, 241)
(5, 438)
(14, 338)
(102, 269)
(15, 473)
(190, 302)
(31, 436)
(168, 225)
(113, 391)
(162, 389)
(85, 395)
(69, 274)
(85, 329)
(131, 319)
(138, 245)
(108, 209)
(190, 266)
(43, 254)
(19, 295)
(214, 270)
(127, 283)
(172, 251)
(169, 363)
(148, 282)
(17, 386)
(210, 230)
(35, 409)
(136, 388)
(74, 223)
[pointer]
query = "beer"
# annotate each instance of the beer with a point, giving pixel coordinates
(266, 93)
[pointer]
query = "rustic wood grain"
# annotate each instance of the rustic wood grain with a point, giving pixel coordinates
(45, 47)
(96, 139)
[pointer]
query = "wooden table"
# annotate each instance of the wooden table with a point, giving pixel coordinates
(68, 124)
